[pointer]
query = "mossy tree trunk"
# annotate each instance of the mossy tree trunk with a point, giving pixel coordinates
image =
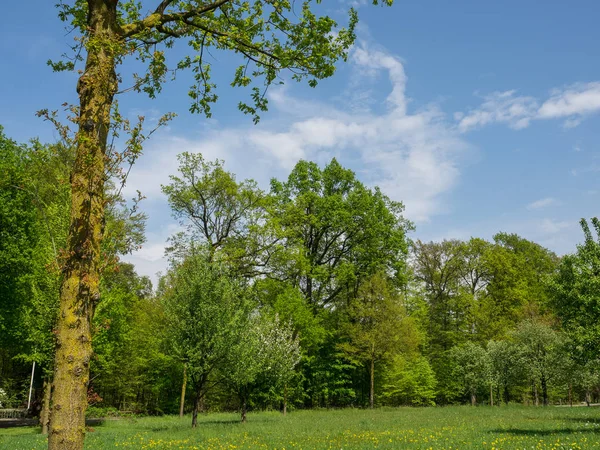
(81, 272)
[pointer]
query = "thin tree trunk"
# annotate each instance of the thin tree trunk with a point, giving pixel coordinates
(196, 408)
(45, 412)
(491, 394)
(536, 397)
(506, 394)
(588, 397)
(544, 383)
(372, 385)
(473, 399)
(202, 407)
(244, 409)
(79, 290)
(183, 386)
(570, 395)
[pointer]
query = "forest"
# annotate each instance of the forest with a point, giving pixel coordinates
(311, 294)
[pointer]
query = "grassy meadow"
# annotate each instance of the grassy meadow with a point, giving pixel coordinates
(457, 427)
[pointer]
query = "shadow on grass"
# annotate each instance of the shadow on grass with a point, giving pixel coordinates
(534, 432)
(594, 420)
(188, 426)
(17, 423)
(218, 422)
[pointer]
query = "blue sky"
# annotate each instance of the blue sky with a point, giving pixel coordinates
(480, 116)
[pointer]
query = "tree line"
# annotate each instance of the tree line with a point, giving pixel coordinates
(309, 294)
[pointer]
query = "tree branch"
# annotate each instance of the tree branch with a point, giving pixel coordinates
(158, 18)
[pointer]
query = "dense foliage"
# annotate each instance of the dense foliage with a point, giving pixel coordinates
(308, 295)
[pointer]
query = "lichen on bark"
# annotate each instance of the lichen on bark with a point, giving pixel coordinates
(81, 271)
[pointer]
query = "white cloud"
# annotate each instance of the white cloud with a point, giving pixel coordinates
(500, 107)
(577, 100)
(542, 203)
(572, 103)
(550, 226)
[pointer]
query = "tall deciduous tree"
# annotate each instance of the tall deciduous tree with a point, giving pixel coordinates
(377, 327)
(334, 232)
(216, 209)
(520, 270)
(575, 293)
(205, 310)
(543, 355)
(269, 36)
(439, 268)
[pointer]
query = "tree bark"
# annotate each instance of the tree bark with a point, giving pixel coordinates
(183, 386)
(372, 385)
(473, 399)
(197, 400)
(491, 395)
(244, 409)
(285, 400)
(79, 290)
(45, 412)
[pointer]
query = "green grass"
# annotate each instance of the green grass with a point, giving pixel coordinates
(458, 427)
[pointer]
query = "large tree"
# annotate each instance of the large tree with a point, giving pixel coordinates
(217, 211)
(575, 293)
(205, 310)
(270, 36)
(376, 328)
(333, 232)
(439, 269)
(543, 355)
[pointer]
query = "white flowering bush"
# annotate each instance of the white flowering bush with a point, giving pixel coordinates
(3, 398)
(266, 349)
